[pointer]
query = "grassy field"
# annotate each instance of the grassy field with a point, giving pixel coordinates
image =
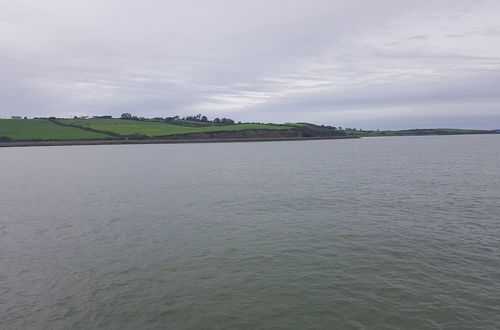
(155, 128)
(42, 129)
(98, 129)
(193, 123)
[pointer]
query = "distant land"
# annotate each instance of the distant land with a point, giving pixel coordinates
(132, 129)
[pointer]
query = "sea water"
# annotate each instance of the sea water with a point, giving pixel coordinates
(372, 233)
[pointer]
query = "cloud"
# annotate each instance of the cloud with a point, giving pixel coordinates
(355, 62)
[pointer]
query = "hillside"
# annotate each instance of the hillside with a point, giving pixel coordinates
(43, 130)
(130, 129)
(135, 129)
(150, 129)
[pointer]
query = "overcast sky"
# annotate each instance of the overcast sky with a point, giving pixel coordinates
(366, 64)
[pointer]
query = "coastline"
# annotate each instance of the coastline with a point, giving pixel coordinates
(163, 141)
(430, 134)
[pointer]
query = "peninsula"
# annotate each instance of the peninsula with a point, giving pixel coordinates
(130, 129)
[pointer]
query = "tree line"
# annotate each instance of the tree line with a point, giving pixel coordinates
(196, 118)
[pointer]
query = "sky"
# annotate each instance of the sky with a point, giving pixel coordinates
(385, 64)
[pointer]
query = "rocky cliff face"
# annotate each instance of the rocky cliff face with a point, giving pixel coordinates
(234, 135)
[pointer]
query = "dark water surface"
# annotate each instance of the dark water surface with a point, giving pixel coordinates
(375, 233)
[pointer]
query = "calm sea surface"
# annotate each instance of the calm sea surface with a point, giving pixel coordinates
(374, 233)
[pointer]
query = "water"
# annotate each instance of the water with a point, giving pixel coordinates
(375, 233)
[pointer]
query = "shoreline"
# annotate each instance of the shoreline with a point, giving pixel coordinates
(11, 144)
(163, 141)
(434, 134)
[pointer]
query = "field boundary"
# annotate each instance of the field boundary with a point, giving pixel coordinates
(111, 134)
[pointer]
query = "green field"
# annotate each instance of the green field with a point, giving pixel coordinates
(100, 129)
(193, 123)
(156, 128)
(42, 129)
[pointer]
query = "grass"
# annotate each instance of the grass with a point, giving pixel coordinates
(154, 128)
(42, 129)
(193, 123)
(98, 129)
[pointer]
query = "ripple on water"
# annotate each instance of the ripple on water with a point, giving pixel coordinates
(396, 233)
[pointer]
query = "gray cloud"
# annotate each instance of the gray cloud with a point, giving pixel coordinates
(384, 64)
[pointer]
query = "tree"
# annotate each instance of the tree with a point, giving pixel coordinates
(126, 115)
(227, 121)
(217, 120)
